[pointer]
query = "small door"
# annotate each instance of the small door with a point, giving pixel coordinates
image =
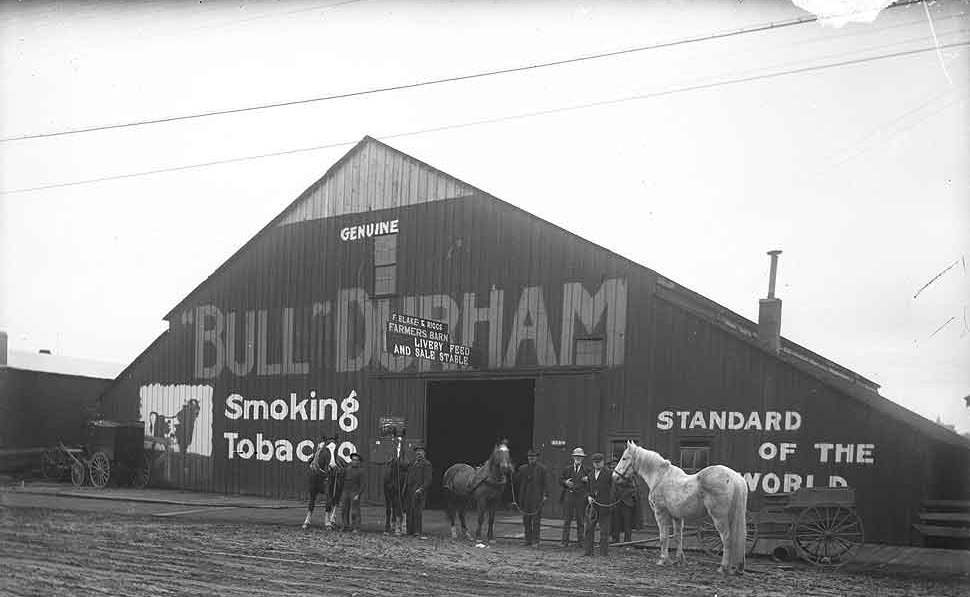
(567, 415)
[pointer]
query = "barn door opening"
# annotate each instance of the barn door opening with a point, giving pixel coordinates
(467, 417)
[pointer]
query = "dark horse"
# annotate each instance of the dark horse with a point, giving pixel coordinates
(325, 479)
(485, 485)
(395, 474)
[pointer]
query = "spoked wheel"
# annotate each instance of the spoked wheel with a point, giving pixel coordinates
(710, 540)
(828, 535)
(49, 465)
(100, 468)
(142, 474)
(78, 473)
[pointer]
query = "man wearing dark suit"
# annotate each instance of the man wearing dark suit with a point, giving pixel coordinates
(573, 497)
(416, 486)
(600, 498)
(625, 496)
(532, 489)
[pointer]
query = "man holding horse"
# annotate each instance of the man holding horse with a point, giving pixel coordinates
(416, 486)
(353, 486)
(532, 485)
(600, 503)
(573, 497)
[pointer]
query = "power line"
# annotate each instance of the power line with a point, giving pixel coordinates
(430, 82)
(696, 87)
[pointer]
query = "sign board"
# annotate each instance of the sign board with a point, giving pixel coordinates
(391, 427)
(424, 339)
(383, 450)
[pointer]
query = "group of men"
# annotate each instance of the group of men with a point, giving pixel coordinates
(589, 496)
(340, 486)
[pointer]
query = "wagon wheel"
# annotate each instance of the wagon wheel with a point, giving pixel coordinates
(827, 535)
(142, 473)
(100, 468)
(49, 465)
(78, 473)
(710, 540)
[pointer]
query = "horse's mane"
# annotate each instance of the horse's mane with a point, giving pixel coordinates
(648, 461)
(490, 466)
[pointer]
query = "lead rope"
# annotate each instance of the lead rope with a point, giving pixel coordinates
(516, 504)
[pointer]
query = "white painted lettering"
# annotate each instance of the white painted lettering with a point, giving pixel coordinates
(792, 482)
(234, 407)
(768, 451)
(771, 483)
(665, 420)
(231, 438)
(823, 451)
(786, 450)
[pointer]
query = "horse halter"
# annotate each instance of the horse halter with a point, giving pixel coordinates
(626, 474)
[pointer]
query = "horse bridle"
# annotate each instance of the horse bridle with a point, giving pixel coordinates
(625, 475)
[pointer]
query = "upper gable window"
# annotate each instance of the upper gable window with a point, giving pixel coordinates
(385, 265)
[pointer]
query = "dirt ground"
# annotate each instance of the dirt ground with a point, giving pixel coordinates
(53, 552)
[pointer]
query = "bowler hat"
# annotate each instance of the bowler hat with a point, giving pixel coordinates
(598, 457)
(579, 452)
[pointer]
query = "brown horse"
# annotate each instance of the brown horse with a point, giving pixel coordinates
(485, 485)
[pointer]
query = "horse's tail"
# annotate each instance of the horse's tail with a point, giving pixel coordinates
(737, 522)
(448, 489)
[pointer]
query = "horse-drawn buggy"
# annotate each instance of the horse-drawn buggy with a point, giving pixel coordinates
(818, 524)
(112, 450)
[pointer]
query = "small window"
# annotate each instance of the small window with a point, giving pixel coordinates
(589, 352)
(694, 455)
(385, 250)
(385, 265)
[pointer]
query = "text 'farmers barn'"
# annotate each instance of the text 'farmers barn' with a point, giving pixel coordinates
(319, 324)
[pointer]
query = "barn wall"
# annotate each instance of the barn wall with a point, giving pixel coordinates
(295, 315)
(823, 437)
(292, 320)
(38, 409)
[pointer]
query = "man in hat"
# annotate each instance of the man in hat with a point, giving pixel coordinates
(573, 496)
(532, 490)
(625, 496)
(350, 496)
(600, 501)
(416, 485)
(325, 477)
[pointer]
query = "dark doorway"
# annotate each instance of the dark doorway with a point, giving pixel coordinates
(466, 418)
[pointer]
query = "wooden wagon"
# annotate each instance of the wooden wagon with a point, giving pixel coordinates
(821, 525)
(112, 450)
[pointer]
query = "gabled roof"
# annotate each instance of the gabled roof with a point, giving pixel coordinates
(338, 192)
(62, 365)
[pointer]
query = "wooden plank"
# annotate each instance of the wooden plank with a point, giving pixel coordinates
(938, 531)
(963, 517)
(948, 504)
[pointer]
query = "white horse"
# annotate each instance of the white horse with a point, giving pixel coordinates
(677, 497)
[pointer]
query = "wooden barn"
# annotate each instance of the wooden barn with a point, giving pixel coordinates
(320, 324)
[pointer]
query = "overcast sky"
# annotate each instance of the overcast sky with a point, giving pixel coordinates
(858, 171)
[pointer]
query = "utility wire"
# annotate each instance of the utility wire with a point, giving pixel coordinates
(651, 95)
(429, 82)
